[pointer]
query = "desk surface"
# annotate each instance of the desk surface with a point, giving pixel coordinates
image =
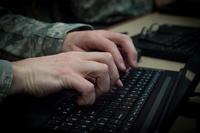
(134, 27)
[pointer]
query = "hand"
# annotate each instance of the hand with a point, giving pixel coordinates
(72, 70)
(119, 45)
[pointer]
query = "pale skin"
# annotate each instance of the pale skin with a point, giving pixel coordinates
(90, 73)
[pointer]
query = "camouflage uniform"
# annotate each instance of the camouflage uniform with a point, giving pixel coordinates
(24, 37)
(87, 11)
(106, 11)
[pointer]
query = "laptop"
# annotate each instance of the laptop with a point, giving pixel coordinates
(149, 102)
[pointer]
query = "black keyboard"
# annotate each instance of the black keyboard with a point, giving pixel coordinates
(178, 43)
(115, 111)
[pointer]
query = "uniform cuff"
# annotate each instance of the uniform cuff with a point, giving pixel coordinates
(6, 76)
(54, 39)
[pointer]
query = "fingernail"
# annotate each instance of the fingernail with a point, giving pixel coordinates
(123, 66)
(119, 83)
(135, 63)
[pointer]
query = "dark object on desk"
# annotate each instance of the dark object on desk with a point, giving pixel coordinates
(189, 8)
(191, 108)
(147, 102)
(139, 54)
(194, 64)
(172, 42)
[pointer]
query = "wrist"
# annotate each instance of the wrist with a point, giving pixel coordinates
(18, 80)
(66, 44)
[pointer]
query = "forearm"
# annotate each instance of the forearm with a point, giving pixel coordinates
(6, 77)
(25, 37)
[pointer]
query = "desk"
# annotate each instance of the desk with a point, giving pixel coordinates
(134, 27)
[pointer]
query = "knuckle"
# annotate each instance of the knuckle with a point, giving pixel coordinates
(101, 30)
(105, 68)
(125, 37)
(91, 86)
(89, 89)
(108, 56)
(113, 46)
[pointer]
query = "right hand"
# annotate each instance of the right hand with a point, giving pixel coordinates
(119, 45)
(72, 70)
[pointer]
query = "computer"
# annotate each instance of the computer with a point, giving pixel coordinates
(148, 102)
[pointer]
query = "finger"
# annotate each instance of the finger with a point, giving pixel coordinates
(109, 46)
(126, 44)
(100, 72)
(83, 86)
(103, 81)
(106, 58)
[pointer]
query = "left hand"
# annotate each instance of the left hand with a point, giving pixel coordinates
(45, 75)
(119, 45)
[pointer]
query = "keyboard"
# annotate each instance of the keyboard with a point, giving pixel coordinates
(115, 111)
(172, 42)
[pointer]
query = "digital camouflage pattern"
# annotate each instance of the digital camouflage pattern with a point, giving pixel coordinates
(87, 11)
(6, 77)
(106, 11)
(25, 37)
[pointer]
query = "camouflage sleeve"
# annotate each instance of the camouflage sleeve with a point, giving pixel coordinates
(25, 37)
(6, 77)
(107, 11)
